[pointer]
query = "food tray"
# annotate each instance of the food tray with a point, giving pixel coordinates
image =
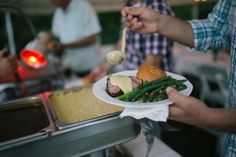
(77, 106)
(22, 121)
(79, 138)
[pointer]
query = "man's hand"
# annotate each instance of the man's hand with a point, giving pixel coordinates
(192, 111)
(146, 21)
(8, 64)
(141, 20)
(187, 109)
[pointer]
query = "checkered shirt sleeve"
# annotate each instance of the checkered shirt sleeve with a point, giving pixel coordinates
(214, 31)
(219, 30)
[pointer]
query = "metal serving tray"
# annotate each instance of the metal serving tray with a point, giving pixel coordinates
(22, 121)
(81, 138)
(86, 104)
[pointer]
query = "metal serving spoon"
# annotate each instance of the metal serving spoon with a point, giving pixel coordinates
(118, 57)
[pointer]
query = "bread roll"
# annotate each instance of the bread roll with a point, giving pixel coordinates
(149, 73)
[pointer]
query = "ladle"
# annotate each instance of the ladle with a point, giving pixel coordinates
(118, 56)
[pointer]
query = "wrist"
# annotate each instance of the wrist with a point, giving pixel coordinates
(207, 120)
(162, 23)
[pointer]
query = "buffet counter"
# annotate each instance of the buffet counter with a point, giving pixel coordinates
(69, 122)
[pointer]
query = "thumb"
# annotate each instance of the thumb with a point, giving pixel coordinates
(174, 95)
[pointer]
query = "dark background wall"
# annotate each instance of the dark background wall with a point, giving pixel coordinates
(110, 22)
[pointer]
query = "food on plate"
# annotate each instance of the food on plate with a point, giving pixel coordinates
(153, 91)
(149, 85)
(149, 73)
(118, 84)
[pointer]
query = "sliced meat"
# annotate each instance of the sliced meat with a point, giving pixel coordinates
(116, 91)
(135, 81)
(113, 90)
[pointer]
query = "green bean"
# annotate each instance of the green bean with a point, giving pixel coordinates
(154, 82)
(153, 91)
(156, 93)
(147, 89)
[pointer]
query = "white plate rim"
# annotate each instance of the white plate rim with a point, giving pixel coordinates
(99, 90)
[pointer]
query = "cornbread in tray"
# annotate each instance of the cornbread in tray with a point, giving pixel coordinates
(79, 105)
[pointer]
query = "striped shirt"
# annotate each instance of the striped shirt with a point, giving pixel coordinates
(138, 46)
(219, 30)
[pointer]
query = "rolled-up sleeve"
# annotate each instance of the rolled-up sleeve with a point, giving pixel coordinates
(214, 31)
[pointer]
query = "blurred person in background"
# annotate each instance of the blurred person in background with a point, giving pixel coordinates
(218, 31)
(8, 64)
(153, 49)
(76, 25)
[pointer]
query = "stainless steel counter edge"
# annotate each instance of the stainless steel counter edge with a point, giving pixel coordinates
(80, 141)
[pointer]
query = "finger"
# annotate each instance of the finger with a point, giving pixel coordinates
(128, 24)
(131, 20)
(123, 12)
(130, 17)
(175, 96)
(134, 11)
(133, 23)
(136, 24)
(140, 24)
(174, 111)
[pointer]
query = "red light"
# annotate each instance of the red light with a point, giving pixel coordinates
(33, 58)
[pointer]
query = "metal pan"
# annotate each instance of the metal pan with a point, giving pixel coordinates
(78, 106)
(22, 121)
(81, 137)
(89, 134)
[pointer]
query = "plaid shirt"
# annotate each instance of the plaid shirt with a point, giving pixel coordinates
(139, 46)
(219, 30)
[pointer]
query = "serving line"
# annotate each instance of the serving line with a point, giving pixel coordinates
(74, 139)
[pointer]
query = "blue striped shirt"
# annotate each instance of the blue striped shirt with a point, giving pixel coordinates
(217, 31)
(139, 46)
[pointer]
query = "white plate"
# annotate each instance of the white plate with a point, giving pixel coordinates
(99, 90)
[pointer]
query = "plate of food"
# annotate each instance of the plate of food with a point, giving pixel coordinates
(142, 88)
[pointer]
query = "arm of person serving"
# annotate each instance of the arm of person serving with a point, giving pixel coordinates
(78, 43)
(145, 21)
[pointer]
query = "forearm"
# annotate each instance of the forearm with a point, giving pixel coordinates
(176, 29)
(83, 42)
(106, 66)
(221, 120)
